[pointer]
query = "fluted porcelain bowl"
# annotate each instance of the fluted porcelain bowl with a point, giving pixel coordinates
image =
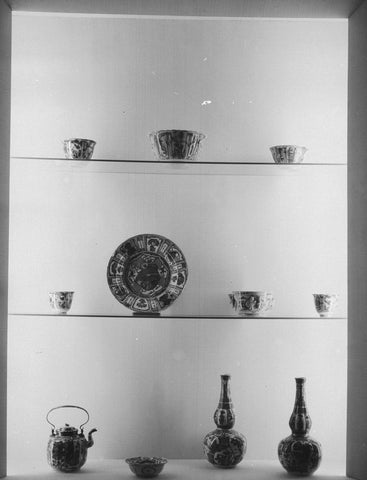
(79, 148)
(288, 153)
(176, 144)
(146, 467)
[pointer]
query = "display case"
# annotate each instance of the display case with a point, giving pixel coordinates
(242, 222)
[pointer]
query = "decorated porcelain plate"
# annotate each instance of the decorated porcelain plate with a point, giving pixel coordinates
(147, 273)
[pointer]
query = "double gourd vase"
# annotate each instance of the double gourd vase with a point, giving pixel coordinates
(299, 453)
(224, 447)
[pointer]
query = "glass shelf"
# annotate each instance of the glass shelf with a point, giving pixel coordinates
(160, 167)
(188, 316)
(165, 162)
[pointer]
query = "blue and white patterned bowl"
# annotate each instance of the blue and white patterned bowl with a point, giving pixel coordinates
(176, 144)
(79, 148)
(146, 467)
(251, 303)
(288, 153)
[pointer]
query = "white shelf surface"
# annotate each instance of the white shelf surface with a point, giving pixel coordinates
(179, 469)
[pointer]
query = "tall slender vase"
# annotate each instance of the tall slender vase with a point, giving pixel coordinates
(224, 447)
(299, 453)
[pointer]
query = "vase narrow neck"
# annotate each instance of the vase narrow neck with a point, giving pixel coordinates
(225, 400)
(300, 421)
(224, 416)
(300, 400)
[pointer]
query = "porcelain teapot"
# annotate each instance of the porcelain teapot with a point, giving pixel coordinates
(67, 447)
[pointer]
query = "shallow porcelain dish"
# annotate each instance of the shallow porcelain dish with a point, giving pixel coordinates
(146, 467)
(176, 144)
(79, 148)
(147, 273)
(288, 153)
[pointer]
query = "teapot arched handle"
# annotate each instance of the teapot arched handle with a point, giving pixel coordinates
(67, 406)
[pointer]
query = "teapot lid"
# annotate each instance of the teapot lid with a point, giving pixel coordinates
(67, 430)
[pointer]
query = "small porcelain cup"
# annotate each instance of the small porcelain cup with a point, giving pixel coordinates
(325, 303)
(61, 301)
(251, 303)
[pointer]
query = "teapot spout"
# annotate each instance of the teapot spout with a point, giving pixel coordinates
(90, 438)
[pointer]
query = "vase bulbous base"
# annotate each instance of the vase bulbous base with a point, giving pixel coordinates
(300, 454)
(224, 448)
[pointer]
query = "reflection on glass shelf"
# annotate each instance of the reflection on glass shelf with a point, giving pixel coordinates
(188, 316)
(160, 167)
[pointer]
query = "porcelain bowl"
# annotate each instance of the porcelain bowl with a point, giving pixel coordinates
(251, 303)
(146, 467)
(176, 144)
(288, 153)
(79, 148)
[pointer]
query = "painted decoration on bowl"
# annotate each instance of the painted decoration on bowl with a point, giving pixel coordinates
(288, 153)
(176, 144)
(146, 467)
(79, 148)
(147, 273)
(251, 303)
